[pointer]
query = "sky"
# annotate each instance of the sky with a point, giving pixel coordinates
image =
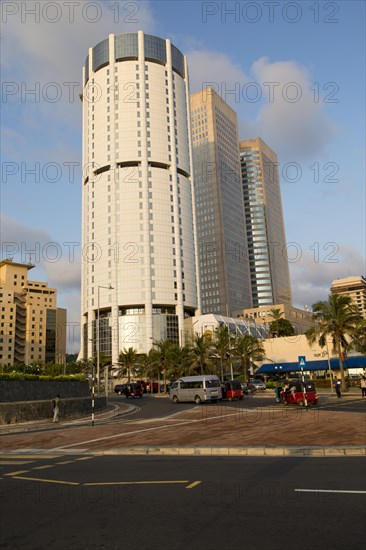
(293, 71)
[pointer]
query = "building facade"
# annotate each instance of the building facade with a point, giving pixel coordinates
(139, 276)
(265, 230)
(222, 244)
(32, 327)
(300, 319)
(355, 288)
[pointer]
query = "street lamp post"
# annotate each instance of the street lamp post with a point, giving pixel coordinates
(98, 341)
(329, 368)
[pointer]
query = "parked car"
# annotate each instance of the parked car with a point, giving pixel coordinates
(155, 387)
(256, 385)
(120, 389)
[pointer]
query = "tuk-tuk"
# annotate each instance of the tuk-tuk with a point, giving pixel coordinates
(298, 392)
(133, 390)
(231, 389)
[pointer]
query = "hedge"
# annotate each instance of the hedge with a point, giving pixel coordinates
(21, 376)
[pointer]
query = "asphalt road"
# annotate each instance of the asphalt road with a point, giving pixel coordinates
(159, 407)
(155, 503)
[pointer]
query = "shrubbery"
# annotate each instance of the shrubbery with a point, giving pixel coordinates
(26, 376)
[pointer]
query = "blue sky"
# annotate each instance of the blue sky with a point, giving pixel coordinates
(293, 71)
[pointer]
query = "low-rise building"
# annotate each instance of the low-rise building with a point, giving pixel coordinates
(282, 356)
(301, 319)
(32, 327)
(207, 324)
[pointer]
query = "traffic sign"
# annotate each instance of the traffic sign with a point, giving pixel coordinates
(302, 361)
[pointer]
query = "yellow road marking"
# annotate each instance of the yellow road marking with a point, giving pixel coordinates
(26, 456)
(47, 480)
(137, 482)
(44, 467)
(14, 462)
(194, 484)
(65, 462)
(85, 458)
(17, 473)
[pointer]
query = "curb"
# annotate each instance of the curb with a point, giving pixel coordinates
(293, 451)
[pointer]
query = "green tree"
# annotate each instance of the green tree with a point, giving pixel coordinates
(182, 361)
(282, 327)
(222, 344)
(201, 352)
(276, 313)
(359, 337)
(128, 359)
(149, 366)
(337, 319)
(249, 349)
(165, 356)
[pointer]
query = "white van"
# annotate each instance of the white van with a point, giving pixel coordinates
(196, 389)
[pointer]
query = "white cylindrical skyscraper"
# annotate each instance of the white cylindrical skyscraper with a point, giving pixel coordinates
(139, 279)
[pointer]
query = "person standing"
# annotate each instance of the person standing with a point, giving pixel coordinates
(338, 388)
(56, 408)
(363, 386)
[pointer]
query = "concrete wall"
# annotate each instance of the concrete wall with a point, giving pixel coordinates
(25, 411)
(27, 400)
(37, 390)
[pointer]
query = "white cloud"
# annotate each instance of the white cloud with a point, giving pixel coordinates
(33, 244)
(292, 118)
(275, 102)
(215, 69)
(312, 275)
(50, 56)
(45, 51)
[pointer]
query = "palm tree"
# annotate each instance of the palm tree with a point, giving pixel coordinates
(127, 359)
(248, 348)
(164, 354)
(150, 368)
(337, 318)
(276, 313)
(201, 352)
(182, 361)
(359, 337)
(222, 345)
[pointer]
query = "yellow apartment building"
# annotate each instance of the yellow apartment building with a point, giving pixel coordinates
(32, 327)
(355, 287)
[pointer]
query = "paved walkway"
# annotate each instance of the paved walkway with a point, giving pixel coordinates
(206, 429)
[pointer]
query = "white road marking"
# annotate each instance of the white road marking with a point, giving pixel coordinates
(330, 491)
(139, 431)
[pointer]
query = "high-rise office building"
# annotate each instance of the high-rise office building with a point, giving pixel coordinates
(269, 271)
(355, 288)
(32, 327)
(139, 279)
(222, 244)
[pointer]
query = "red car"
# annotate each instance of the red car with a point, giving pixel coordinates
(232, 389)
(298, 392)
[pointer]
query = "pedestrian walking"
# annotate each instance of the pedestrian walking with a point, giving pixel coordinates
(338, 388)
(363, 386)
(56, 408)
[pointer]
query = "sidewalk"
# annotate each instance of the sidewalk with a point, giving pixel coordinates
(47, 424)
(207, 429)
